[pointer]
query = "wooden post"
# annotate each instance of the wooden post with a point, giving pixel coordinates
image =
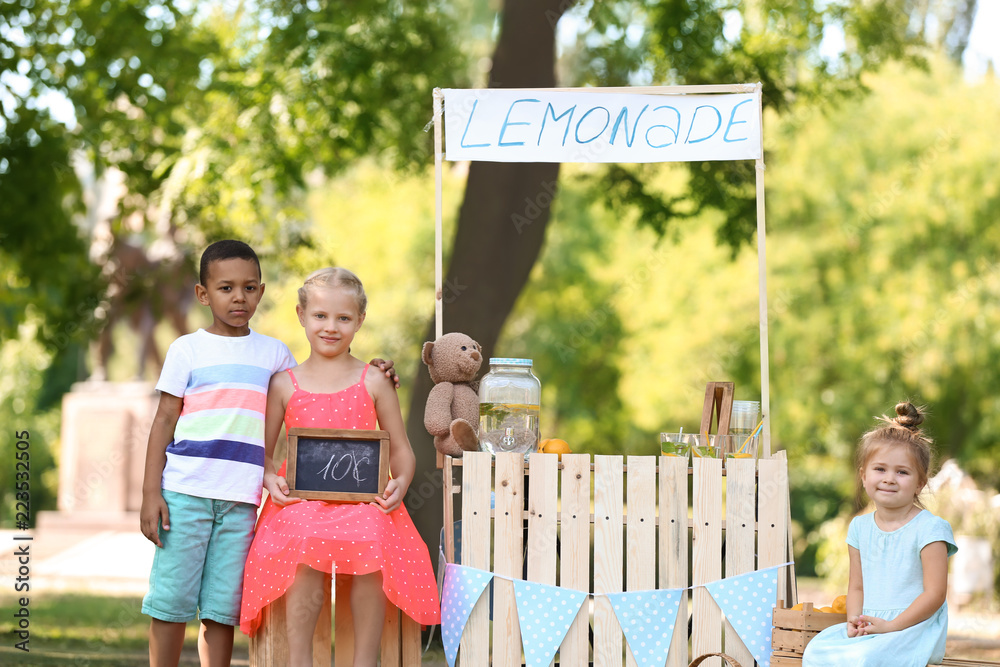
(438, 241)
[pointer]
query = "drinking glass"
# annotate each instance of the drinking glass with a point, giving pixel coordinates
(744, 419)
(705, 448)
(676, 444)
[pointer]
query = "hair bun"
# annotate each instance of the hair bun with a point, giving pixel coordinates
(908, 415)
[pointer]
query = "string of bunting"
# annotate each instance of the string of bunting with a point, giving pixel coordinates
(647, 618)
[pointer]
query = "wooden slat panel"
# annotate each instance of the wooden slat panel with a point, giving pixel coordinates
(574, 553)
(673, 557)
(447, 489)
(640, 534)
(787, 585)
(476, 550)
(263, 649)
(772, 513)
(740, 534)
(608, 544)
(343, 621)
(706, 557)
(322, 637)
(508, 541)
(410, 640)
(543, 508)
(391, 656)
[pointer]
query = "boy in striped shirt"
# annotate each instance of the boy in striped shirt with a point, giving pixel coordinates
(205, 461)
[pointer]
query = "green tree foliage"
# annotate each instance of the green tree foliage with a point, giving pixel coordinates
(896, 261)
(882, 239)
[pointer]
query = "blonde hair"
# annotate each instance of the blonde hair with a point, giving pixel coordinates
(335, 277)
(901, 431)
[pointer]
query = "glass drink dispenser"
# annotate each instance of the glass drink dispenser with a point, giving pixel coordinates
(509, 398)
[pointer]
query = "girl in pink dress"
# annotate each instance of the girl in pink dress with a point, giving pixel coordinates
(297, 541)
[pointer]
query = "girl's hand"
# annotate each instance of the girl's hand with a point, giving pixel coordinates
(873, 625)
(392, 498)
(277, 488)
(855, 627)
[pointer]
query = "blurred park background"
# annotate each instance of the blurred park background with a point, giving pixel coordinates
(135, 132)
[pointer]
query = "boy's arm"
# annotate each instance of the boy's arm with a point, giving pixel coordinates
(386, 366)
(402, 462)
(278, 392)
(161, 433)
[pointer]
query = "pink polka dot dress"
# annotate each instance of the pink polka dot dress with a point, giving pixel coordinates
(339, 538)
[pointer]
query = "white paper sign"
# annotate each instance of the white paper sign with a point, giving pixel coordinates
(510, 125)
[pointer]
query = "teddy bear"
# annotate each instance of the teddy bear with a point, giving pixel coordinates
(451, 414)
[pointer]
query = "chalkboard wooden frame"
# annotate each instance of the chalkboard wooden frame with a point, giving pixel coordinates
(334, 440)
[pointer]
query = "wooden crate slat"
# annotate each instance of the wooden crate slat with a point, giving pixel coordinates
(740, 538)
(508, 541)
(543, 508)
(673, 558)
(575, 553)
(640, 532)
(476, 549)
(772, 517)
(706, 557)
(608, 545)
(791, 640)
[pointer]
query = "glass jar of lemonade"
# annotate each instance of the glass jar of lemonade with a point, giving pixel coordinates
(509, 398)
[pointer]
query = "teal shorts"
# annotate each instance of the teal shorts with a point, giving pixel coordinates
(199, 571)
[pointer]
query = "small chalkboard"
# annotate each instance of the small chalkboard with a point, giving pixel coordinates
(337, 464)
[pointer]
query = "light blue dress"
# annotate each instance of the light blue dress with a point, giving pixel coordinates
(892, 576)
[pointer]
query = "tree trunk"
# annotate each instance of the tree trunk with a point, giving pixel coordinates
(501, 228)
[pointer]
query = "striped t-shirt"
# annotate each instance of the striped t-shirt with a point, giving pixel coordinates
(218, 446)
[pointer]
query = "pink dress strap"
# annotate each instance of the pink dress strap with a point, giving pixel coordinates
(295, 382)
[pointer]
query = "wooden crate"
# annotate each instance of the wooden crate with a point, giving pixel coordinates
(794, 628)
(609, 524)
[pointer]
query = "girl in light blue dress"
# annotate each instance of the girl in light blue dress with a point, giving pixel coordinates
(896, 610)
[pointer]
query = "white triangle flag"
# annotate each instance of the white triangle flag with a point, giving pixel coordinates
(545, 614)
(647, 619)
(748, 601)
(462, 588)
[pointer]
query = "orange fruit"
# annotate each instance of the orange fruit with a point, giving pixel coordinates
(554, 446)
(797, 607)
(827, 610)
(840, 604)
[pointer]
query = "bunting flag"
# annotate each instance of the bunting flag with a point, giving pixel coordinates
(647, 619)
(462, 588)
(545, 614)
(747, 600)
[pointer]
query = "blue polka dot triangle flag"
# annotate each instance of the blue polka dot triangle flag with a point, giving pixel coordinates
(462, 588)
(748, 601)
(545, 614)
(647, 619)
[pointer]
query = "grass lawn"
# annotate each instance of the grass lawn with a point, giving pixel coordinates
(87, 630)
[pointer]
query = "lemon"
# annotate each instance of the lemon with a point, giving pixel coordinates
(840, 604)
(827, 610)
(797, 607)
(554, 446)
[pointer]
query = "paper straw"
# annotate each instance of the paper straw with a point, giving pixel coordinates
(756, 430)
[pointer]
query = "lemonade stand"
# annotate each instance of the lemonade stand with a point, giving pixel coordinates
(606, 548)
